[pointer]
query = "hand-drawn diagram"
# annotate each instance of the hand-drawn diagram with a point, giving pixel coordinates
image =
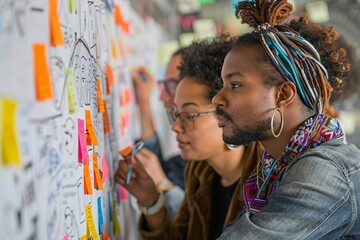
(69, 135)
(45, 196)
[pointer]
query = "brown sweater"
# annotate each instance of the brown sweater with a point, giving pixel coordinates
(193, 218)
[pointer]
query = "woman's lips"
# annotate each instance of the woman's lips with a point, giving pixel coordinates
(182, 144)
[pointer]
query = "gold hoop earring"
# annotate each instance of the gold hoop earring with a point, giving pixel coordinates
(277, 109)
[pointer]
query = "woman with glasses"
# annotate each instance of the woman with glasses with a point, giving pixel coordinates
(215, 174)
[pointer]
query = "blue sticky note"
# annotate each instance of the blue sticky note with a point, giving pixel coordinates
(100, 215)
(110, 207)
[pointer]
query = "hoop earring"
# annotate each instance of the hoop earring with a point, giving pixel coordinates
(231, 147)
(280, 110)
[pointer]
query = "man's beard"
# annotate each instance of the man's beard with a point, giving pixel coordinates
(248, 134)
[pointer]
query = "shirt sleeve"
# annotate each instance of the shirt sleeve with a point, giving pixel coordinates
(311, 201)
(173, 199)
(153, 144)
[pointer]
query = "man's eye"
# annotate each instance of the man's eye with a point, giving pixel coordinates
(235, 85)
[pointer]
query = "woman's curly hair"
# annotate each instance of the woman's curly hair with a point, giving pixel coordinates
(202, 61)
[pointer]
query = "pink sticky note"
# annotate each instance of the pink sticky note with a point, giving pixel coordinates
(66, 237)
(123, 193)
(83, 156)
(104, 168)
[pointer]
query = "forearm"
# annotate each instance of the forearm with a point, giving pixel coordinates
(147, 125)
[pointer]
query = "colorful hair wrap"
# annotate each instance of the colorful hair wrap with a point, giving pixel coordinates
(294, 57)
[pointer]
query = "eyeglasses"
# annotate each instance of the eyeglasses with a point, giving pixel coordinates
(186, 118)
(169, 85)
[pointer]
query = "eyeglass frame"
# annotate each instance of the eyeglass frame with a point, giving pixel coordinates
(192, 115)
(165, 84)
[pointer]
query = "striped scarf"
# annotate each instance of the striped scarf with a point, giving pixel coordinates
(313, 132)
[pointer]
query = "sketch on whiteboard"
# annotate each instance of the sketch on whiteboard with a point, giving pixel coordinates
(54, 208)
(58, 78)
(70, 226)
(48, 146)
(69, 135)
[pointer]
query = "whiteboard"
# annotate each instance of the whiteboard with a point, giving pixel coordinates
(55, 55)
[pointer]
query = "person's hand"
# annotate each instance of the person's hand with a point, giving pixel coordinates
(143, 83)
(151, 164)
(141, 186)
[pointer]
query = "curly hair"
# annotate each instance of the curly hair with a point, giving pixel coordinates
(202, 61)
(303, 52)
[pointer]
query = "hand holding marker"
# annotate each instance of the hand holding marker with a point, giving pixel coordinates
(143, 76)
(138, 146)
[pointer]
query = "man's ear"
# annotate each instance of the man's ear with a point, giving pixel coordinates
(286, 93)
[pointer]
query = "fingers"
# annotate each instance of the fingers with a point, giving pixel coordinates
(141, 76)
(145, 75)
(120, 174)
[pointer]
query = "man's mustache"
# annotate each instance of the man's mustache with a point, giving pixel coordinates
(223, 114)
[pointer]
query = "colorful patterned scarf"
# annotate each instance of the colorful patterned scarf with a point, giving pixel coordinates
(313, 132)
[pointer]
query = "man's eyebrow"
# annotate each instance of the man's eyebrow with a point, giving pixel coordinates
(233, 74)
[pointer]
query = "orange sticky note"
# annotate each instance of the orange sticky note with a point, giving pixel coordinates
(106, 120)
(110, 74)
(125, 151)
(104, 236)
(42, 74)
(121, 48)
(127, 96)
(97, 178)
(90, 128)
(109, 78)
(10, 144)
(117, 14)
(101, 107)
(87, 180)
(56, 37)
(119, 19)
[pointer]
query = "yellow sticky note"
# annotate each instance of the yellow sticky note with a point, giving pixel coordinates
(90, 128)
(42, 74)
(90, 222)
(113, 46)
(115, 220)
(73, 5)
(10, 146)
(83, 237)
(72, 95)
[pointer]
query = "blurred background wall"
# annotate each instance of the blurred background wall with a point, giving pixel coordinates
(186, 20)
